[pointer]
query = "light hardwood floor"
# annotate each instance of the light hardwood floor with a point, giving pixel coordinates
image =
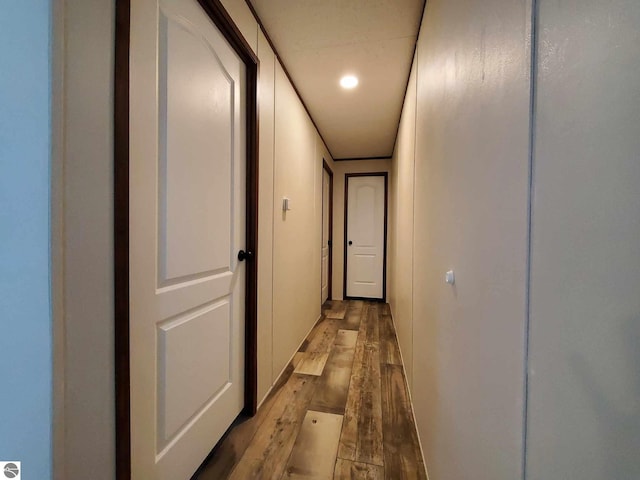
(339, 411)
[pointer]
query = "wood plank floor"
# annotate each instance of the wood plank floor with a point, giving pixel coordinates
(340, 410)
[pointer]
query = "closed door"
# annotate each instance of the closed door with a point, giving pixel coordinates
(326, 236)
(365, 236)
(187, 224)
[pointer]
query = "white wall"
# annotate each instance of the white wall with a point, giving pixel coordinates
(584, 355)
(25, 274)
(340, 169)
(465, 343)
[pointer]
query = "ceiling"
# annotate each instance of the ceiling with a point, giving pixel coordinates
(319, 41)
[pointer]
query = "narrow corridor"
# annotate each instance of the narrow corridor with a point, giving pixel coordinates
(340, 409)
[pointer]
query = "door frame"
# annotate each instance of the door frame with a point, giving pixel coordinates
(221, 19)
(346, 220)
(327, 168)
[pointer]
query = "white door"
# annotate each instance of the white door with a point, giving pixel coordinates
(365, 236)
(325, 234)
(187, 223)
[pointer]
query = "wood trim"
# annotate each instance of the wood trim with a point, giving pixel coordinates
(346, 214)
(221, 19)
(386, 234)
(387, 157)
(251, 305)
(327, 169)
(121, 239)
(344, 243)
(225, 24)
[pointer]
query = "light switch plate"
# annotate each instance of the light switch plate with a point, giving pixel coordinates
(450, 277)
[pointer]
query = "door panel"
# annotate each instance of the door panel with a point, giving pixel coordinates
(365, 268)
(363, 221)
(365, 236)
(184, 346)
(194, 186)
(325, 234)
(187, 223)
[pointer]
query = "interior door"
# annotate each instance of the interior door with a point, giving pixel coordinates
(187, 224)
(365, 236)
(326, 246)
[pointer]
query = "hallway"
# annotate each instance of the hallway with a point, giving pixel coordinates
(165, 248)
(340, 408)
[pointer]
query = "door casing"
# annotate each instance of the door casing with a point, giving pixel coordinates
(219, 16)
(327, 169)
(346, 218)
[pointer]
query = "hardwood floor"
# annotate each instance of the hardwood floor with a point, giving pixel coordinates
(340, 410)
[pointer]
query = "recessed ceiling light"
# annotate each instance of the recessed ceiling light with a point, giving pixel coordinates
(349, 81)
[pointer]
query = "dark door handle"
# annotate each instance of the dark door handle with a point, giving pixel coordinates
(242, 255)
(350, 242)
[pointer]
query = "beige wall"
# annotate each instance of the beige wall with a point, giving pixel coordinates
(470, 197)
(471, 202)
(85, 225)
(245, 21)
(296, 233)
(288, 295)
(340, 169)
(401, 183)
(266, 89)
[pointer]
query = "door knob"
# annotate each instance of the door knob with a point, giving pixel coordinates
(350, 242)
(242, 255)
